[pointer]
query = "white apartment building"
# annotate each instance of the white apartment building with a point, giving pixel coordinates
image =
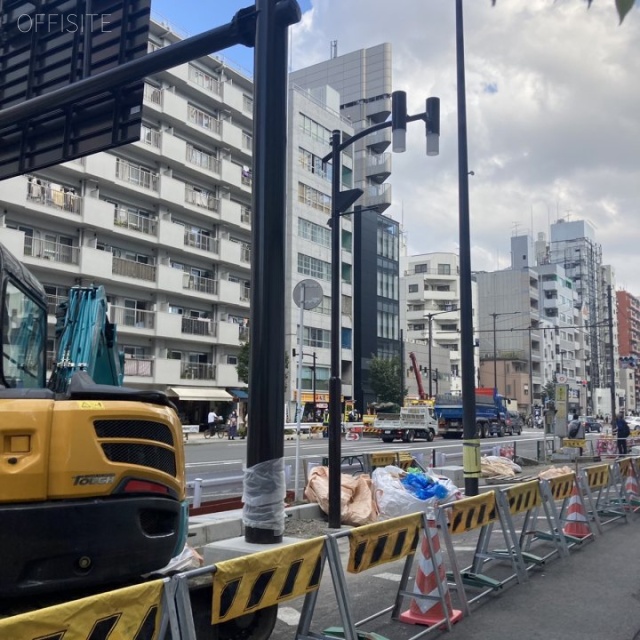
(164, 224)
(313, 115)
(430, 300)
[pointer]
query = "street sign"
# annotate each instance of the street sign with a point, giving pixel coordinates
(561, 378)
(46, 46)
(308, 292)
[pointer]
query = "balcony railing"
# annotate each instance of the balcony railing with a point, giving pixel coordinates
(153, 94)
(49, 250)
(203, 160)
(199, 241)
(138, 318)
(132, 269)
(142, 367)
(136, 174)
(243, 333)
(198, 326)
(245, 215)
(197, 371)
(204, 199)
(247, 103)
(247, 141)
(204, 80)
(150, 136)
(245, 253)
(52, 195)
(200, 283)
(135, 221)
(245, 294)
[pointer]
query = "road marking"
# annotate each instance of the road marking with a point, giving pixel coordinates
(288, 615)
(463, 548)
(209, 464)
(394, 577)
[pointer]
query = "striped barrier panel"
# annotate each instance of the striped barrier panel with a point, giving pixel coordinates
(526, 499)
(604, 496)
(566, 519)
(479, 513)
(625, 476)
(140, 612)
(376, 544)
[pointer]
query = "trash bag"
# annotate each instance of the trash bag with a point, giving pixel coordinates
(393, 498)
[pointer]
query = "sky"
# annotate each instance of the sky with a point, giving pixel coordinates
(553, 114)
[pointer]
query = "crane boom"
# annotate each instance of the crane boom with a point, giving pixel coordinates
(416, 370)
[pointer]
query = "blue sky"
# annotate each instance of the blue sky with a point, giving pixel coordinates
(553, 104)
(197, 16)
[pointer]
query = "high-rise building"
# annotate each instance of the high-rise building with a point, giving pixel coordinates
(363, 81)
(164, 224)
(313, 114)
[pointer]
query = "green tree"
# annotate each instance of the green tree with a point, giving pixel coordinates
(549, 390)
(386, 379)
(623, 7)
(243, 364)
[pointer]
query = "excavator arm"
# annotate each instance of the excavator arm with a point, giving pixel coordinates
(86, 340)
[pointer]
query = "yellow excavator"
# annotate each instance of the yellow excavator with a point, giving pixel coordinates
(92, 485)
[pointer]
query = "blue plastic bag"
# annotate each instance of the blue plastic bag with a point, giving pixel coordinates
(423, 487)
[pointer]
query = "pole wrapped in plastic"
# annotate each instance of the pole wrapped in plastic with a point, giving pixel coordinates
(263, 496)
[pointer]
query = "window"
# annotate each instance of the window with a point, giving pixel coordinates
(204, 80)
(413, 288)
(203, 119)
(322, 375)
(311, 128)
(309, 266)
(346, 338)
(136, 174)
(421, 268)
(318, 338)
(444, 269)
(232, 360)
(346, 273)
(203, 159)
(313, 164)
(347, 241)
(314, 232)
(443, 287)
(314, 198)
(325, 306)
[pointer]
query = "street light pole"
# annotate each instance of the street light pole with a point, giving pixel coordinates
(430, 317)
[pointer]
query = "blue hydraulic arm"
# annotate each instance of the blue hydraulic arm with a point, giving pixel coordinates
(86, 340)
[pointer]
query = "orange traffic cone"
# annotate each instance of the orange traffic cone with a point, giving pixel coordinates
(430, 611)
(631, 488)
(577, 524)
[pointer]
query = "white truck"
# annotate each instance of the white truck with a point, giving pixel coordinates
(412, 423)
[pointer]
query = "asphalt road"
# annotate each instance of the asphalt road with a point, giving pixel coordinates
(219, 462)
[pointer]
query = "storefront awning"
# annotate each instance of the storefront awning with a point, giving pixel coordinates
(193, 393)
(239, 394)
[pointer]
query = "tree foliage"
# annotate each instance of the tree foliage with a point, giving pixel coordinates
(386, 379)
(622, 6)
(242, 367)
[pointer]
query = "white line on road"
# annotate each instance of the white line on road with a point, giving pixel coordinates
(212, 462)
(394, 577)
(288, 615)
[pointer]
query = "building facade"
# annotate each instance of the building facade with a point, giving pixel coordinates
(430, 297)
(164, 224)
(629, 344)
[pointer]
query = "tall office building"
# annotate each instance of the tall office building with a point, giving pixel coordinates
(163, 224)
(629, 345)
(363, 81)
(313, 114)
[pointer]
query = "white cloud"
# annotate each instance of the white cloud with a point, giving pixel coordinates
(556, 134)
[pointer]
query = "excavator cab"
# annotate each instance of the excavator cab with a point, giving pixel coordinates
(24, 326)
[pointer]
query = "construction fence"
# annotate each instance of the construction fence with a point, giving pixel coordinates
(517, 529)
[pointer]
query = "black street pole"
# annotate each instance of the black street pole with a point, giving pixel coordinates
(430, 317)
(495, 355)
(264, 493)
(471, 443)
(335, 383)
(612, 364)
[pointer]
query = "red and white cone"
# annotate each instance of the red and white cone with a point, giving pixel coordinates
(577, 524)
(430, 611)
(631, 488)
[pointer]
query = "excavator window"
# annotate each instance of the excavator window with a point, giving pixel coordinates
(24, 324)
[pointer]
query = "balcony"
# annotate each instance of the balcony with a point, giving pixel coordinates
(135, 222)
(136, 175)
(205, 81)
(201, 198)
(50, 250)
(379, 140)
(197, 371)
(153, 95)
(201, 242)
(245, 215)
(200, 284)
(203, 160)
(140, 367)
(245, 253)
(127, 317)
(52, 195)
(199, 327)
(378, 196)
(132, 269)
(378, 167)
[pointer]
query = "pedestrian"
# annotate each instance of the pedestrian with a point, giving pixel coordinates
(622, 433)
(233, 425)
(212, 418)
(576, 429)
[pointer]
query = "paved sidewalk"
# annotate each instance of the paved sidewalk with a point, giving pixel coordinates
(592, 595)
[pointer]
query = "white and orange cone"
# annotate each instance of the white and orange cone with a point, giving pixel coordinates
(631, 488)
(577, 524)
(430, 611)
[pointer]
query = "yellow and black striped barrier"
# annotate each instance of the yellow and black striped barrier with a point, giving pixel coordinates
(523, 497)
(604, 496)
(382, 542)
(597, 476)
(472, 513)
(562, 486)
(248, 583)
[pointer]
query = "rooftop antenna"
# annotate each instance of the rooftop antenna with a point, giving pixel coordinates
(515, 228)
(333, 51)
